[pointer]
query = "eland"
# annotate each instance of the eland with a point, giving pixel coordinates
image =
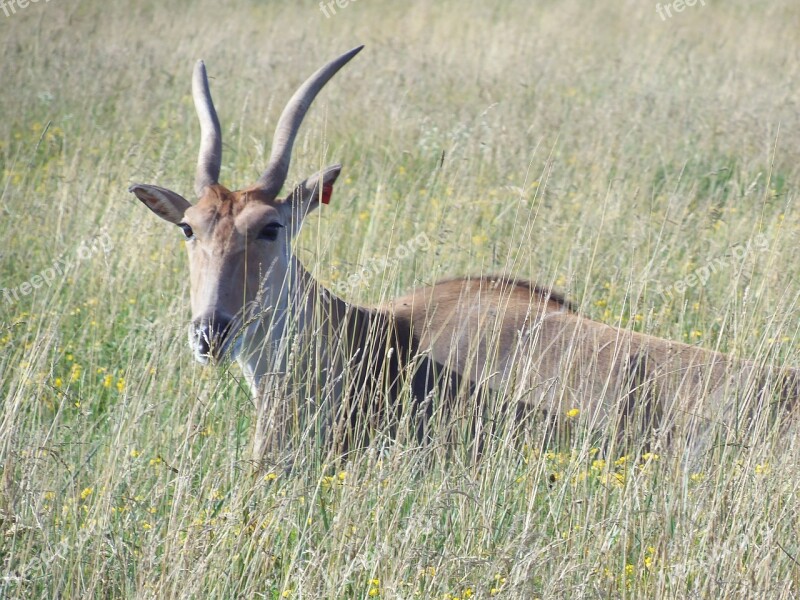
(371, 368)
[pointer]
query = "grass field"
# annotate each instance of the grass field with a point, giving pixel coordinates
(648, 166)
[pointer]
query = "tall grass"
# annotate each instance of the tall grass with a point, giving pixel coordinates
(590, 146)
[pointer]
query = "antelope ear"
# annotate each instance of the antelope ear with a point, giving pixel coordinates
(165, 203)
(315, 190)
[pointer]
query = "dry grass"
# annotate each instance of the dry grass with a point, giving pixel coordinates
(588, 145)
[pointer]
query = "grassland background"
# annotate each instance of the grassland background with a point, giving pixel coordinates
(587, 145)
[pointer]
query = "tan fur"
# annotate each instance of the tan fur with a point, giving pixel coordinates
(515, 340)
(519, 340)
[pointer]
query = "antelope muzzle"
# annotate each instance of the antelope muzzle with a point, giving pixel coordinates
(209, 338)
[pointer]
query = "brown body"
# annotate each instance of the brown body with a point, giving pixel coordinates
(364, 369)
(533, 350)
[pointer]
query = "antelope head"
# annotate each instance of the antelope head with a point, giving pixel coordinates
(239, 242)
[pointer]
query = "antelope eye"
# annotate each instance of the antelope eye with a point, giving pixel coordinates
(187, 231)
(270, 232)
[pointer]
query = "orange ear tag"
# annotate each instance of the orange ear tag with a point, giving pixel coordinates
(327, 191)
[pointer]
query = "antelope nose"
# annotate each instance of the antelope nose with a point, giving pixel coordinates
(208, 337)
(203, 339)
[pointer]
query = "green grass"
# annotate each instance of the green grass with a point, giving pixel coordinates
(588, 145)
